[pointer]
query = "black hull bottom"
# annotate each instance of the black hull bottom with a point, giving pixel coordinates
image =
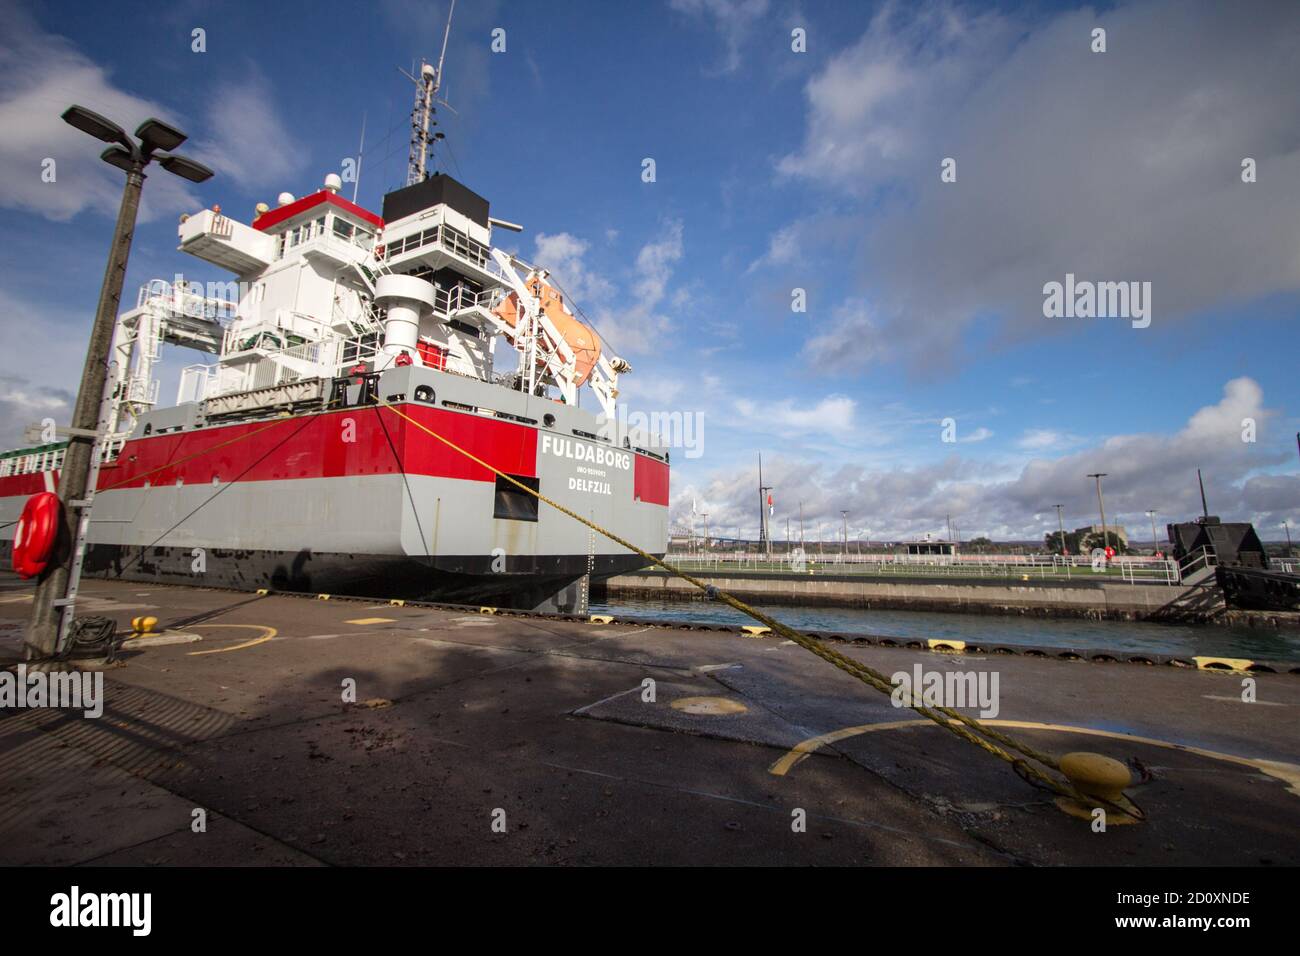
(548, 583)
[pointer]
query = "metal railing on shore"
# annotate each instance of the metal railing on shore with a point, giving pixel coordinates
(1008, 567)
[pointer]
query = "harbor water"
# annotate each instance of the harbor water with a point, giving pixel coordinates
(1129, 636)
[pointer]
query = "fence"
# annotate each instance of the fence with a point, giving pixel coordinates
(1008, 567)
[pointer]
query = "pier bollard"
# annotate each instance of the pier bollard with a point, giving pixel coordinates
(1096, 776)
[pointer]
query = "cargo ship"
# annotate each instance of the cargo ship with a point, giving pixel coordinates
(360, 371)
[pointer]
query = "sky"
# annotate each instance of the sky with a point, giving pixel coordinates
(842, 259)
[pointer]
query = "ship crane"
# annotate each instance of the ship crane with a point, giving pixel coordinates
(555, 347)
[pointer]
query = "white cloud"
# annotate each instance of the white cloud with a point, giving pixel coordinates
(850, 340)
(1046, 439)
(636, 324)
(733, 19)
(1144, 471)
(41, 75)
(248, 141)
(1122, 165)
(563, 254)
(35, 390)
(244, 139)
(630, 316)
(832, 415)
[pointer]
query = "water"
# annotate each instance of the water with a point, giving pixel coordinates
(1184, 640)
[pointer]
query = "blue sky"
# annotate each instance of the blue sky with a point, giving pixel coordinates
(775, 170)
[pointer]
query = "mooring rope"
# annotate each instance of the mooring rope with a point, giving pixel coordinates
(964, 727)
(961, 725)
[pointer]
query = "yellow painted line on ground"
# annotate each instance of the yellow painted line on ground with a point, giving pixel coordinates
(267, 634)
(1222, 663)
(16, 600)
(1288, 773)
(943, 644)
(709, 706)
(371, 620)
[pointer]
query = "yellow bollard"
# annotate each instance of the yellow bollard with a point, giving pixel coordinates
(1096, 776)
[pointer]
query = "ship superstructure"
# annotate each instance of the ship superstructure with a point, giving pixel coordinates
(305, 452)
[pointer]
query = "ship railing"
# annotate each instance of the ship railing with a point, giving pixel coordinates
(459, 297)
(448, 237)
(197, 383)
(1196, 562)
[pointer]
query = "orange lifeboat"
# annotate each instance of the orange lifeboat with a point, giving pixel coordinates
(579, 336)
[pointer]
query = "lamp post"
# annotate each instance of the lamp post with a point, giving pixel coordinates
(1151, 513)
(1060, 524)
(1102, 506)
(845, 516)
(154, 140)
(764, 533)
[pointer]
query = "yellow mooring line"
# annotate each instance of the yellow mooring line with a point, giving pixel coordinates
(967, 728)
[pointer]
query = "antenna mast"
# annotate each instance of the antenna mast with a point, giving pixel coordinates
(427, 85)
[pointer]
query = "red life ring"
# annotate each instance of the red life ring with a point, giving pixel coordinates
(37, 531)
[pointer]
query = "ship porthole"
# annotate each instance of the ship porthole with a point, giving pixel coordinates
(548, 420)
(423, 393)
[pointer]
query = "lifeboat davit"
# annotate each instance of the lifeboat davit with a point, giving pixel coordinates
(579, 336)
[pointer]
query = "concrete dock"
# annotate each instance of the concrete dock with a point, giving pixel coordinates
(1082, 596)
(477, 738)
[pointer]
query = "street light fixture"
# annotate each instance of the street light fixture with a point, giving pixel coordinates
(156, 133)
(97, 126)
(185, 168)
(1155, 548)
(56, 591)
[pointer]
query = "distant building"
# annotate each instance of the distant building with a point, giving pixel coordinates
(931, 547)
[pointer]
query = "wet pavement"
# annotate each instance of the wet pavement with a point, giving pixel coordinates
(339, 732)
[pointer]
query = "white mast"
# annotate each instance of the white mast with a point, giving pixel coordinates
(427, 86)
(361, 152)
